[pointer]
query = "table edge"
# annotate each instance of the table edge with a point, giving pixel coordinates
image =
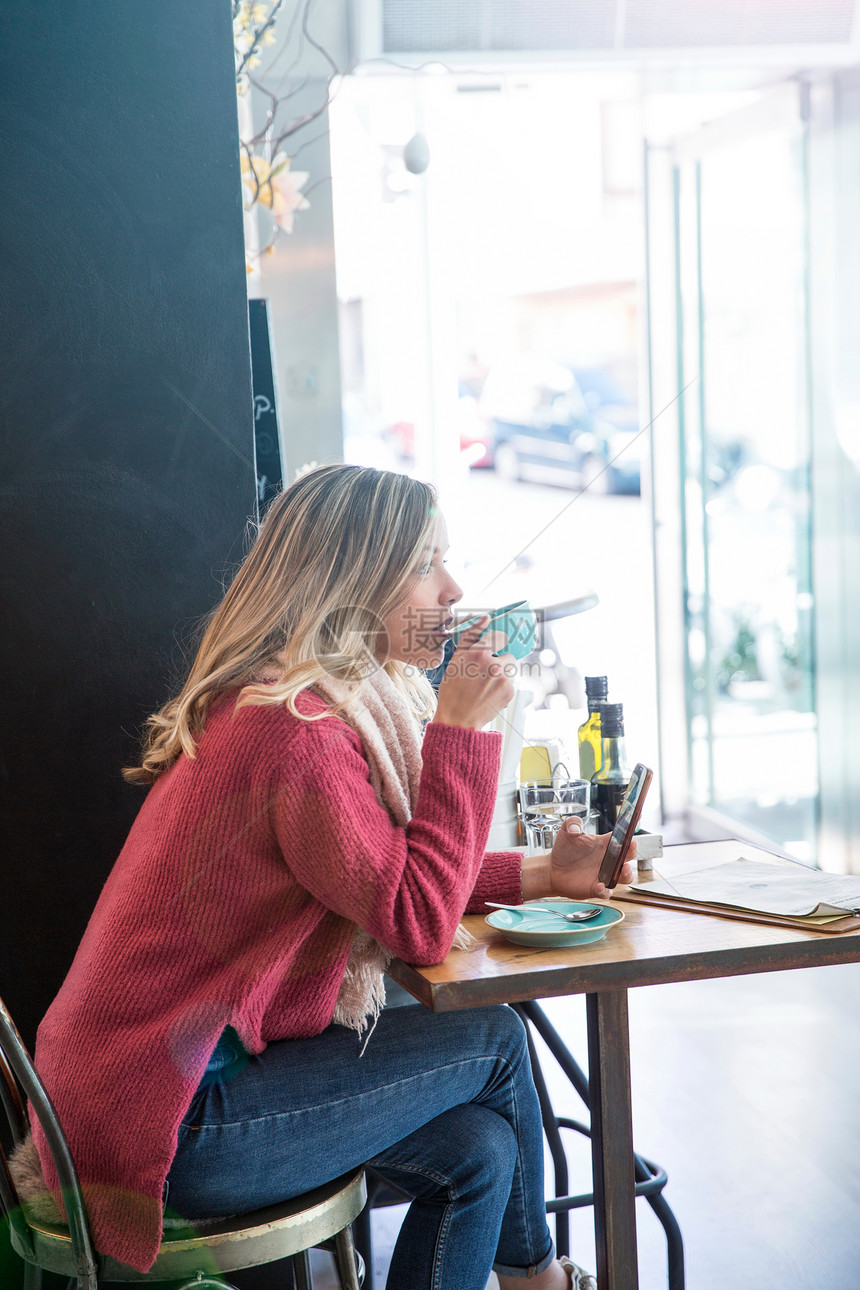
(820, 950)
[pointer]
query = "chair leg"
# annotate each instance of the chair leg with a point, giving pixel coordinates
(363, 1239)
(674, 1240)
(302, 1270)
(32, 1279)
(556, 1147)
(347, 1263)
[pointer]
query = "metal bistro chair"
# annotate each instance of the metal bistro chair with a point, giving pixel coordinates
(195, 1256)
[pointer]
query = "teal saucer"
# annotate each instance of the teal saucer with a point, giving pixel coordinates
(526, 926)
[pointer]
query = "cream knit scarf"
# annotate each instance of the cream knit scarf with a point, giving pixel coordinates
(391, 737)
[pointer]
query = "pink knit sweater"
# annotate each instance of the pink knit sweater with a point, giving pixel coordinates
(235, 901)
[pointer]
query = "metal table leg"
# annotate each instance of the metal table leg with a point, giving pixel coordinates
(612, 1140)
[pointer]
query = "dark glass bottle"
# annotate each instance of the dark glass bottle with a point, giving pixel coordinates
(609, 783)
(590, 751)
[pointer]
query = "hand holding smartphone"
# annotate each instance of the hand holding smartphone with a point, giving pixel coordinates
(625, 826)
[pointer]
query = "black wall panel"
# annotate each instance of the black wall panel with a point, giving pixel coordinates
(126, 439)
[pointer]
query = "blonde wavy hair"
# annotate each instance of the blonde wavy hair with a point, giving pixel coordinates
(336, 552)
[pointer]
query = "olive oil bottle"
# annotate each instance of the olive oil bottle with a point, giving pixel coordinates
(596, 689)
(609, 783)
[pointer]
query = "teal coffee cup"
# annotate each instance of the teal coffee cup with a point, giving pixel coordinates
(518, 623)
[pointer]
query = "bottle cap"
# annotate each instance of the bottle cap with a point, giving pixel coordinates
(612, 720)
(596, 687)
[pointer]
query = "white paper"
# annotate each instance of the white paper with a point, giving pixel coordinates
(788, 889)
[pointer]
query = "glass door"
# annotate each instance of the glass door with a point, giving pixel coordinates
(744, 454)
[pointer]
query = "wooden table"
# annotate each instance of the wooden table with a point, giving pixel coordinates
(650, 947)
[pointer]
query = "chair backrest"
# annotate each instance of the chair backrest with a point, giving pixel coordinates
(19, 1080)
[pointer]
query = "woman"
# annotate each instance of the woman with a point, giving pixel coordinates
(203, 1048)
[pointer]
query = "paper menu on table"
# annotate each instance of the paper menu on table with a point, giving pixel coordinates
(788, 889)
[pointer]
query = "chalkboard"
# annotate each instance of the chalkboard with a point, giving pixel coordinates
(267, 443)
(126, 427)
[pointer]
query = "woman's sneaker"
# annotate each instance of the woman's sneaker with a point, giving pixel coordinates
(579, 1278)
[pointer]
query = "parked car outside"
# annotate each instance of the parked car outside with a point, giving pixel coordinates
(556, 424)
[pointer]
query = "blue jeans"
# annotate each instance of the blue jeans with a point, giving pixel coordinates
(441, 1105)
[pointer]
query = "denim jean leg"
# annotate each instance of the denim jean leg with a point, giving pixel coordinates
(458, 1170)
(305, 1111)
(524, 1227)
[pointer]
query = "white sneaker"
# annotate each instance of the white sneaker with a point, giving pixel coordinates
(579, 1278)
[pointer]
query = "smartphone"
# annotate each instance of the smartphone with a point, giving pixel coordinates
(625, 826)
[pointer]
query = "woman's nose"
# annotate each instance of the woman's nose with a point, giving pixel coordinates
(453, 593)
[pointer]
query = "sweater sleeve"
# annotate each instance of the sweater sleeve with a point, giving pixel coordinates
(408, 887)
(499, 878)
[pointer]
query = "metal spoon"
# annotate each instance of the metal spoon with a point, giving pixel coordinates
(579, 916)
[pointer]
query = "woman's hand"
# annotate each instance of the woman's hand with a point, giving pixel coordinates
(476, 686)
(572, 866)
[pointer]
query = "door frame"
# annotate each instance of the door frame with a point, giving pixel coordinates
(676, 408)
